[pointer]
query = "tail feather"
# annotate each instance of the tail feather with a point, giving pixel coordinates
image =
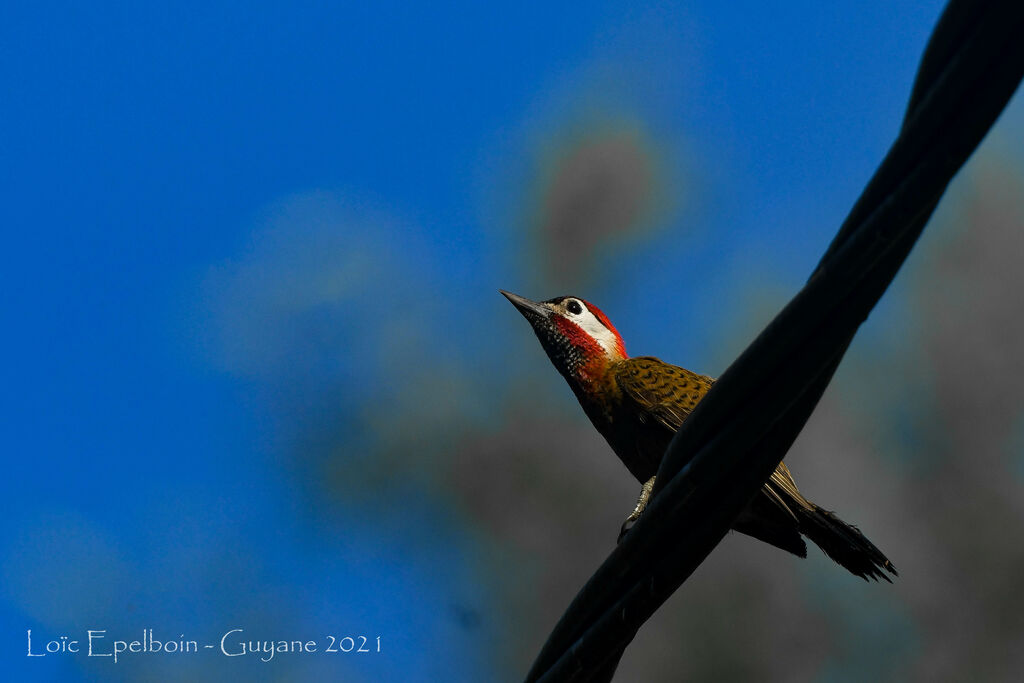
(844, 543)
(784, 536)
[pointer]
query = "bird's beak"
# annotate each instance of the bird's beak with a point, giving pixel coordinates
(531, 310)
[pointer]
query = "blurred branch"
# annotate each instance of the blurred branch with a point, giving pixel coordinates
(744, 426)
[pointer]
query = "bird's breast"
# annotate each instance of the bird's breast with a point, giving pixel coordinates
(638, 441)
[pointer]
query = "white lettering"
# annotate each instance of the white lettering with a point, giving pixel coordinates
(223, 641)
(97, 635)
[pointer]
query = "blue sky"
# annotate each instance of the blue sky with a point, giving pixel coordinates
(151, 151)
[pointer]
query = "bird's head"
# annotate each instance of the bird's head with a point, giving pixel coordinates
(578, 338)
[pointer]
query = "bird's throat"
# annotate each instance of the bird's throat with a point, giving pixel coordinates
(593, 380)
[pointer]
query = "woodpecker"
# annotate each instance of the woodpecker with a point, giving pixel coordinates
(637, 404)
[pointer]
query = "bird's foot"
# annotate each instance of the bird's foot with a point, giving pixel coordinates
(641, 505)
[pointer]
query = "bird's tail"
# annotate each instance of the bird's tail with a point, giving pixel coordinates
(844, 543)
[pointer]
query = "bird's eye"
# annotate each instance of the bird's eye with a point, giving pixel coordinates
(574, 307)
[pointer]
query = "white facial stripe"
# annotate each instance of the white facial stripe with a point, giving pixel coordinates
(589, 323)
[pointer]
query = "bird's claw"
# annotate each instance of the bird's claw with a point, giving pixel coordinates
(626, 526)
(641, 505)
